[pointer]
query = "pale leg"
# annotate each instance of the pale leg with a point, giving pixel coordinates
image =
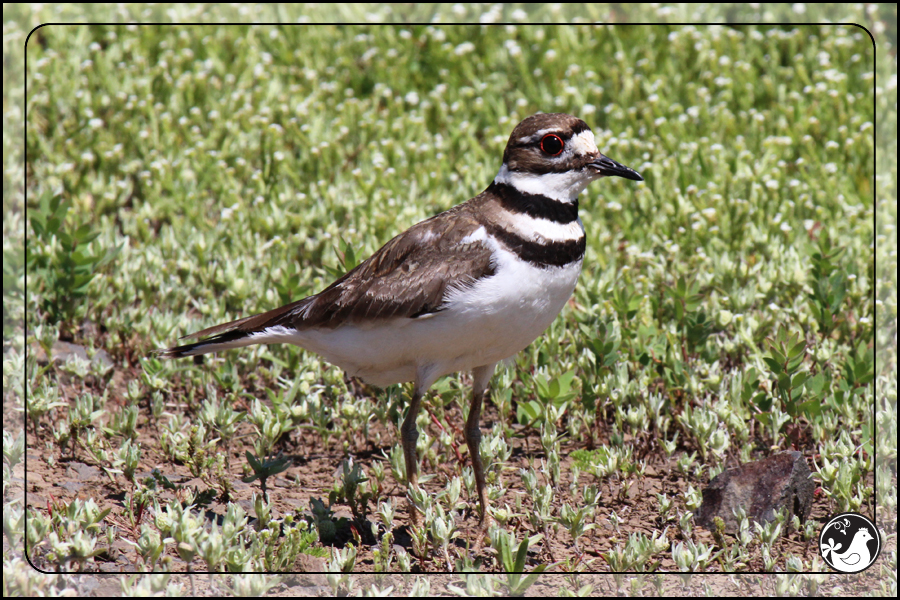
(409, 435)
(481, 377)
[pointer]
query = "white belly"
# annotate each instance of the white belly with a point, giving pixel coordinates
(492, 320)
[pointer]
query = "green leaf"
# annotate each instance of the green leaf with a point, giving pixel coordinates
(83, 232)
(255, 464)
(553, 392)
(799, 379)
(521, 555)
(817, 314)
(794, 364)
(816, 383)
(812, 407)
(751, 376)
(692, 302)
(797, 350)
(38, 226)
(79, 284)
(763, 402)
(784, 381)
(65, 240)
(774, 365)
(80, 258)
(109, 256)
(542, 386)
(530, 410)
(565, 381)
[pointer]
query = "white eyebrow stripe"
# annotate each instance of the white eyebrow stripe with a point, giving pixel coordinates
(537, 135)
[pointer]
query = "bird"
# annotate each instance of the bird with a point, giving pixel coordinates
(460, 291)
(856, 557)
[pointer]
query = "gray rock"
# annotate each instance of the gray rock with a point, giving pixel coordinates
(61, 352)
(761, 488)
(82, 472)
(72, 487)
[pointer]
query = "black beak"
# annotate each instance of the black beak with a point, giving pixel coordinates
(608, 168)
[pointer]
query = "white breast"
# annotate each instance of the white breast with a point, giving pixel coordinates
(482, 324)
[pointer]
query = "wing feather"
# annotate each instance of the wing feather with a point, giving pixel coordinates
(409, 276)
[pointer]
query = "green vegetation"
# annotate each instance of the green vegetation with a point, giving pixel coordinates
(739, 302)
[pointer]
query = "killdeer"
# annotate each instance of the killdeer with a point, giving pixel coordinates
(460, 291)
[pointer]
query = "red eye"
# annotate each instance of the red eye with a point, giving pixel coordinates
(552, 144)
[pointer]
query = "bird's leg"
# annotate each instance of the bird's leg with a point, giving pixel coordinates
(409, 435)
(481, 377)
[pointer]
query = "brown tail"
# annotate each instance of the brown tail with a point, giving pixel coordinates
(243, 332)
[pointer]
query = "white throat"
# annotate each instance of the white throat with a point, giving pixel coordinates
(563, 187)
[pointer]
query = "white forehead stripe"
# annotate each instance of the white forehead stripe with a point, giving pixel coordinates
(584, 143)
(536, 135)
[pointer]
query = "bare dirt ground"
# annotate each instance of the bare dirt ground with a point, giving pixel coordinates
(312, 476)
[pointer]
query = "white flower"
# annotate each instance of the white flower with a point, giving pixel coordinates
(491, 16)
(464, 48)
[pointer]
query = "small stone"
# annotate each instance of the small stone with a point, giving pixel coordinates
(761, 488)
(82, 472)
(61, 352)
(73, 487)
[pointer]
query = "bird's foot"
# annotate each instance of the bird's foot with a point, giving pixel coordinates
(482, 533)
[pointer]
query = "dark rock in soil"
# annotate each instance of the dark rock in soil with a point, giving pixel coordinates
(761, 488)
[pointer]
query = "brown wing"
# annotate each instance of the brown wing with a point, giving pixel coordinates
(407, 277)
